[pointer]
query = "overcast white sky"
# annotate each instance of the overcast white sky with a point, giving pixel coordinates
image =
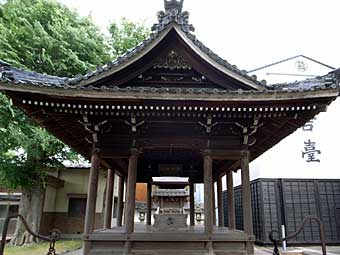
(248, 33)
(253, 33)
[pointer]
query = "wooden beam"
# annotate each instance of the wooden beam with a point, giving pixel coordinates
(230, 200)
(208, 196)
(122, 164)
(118, 167)
(149, 204)
(120, 202)
(234, 166)
(224, 147)
(220, 203)
(105, 163)
(91, 199)
(131, 192)
(229, 165)
(109, 198)
(246, 193)
(225, 154)
(213, 203)
(192, 203)
(116, 153)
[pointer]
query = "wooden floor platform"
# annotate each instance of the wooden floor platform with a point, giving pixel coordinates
(186, 241)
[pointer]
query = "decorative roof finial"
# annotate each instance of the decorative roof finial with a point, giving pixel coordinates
(173, 5)
(173, 13)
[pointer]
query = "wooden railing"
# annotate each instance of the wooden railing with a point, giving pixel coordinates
(298, 231)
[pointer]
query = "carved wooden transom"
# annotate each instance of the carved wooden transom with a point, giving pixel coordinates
(173, 61)
(171, 70)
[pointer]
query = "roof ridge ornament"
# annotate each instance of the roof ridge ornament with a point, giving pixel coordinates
(173, 13)
(173, 5)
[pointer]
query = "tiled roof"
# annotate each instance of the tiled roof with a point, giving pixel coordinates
(330, 80)
(171, 193)
(168, 18)
(10, 74)
(17, 76)
(170, 179)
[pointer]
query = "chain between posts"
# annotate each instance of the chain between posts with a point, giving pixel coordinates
(55, 235)
(51, 250)
(276, 242)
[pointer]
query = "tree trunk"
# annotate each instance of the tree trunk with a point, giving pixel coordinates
(30, 208)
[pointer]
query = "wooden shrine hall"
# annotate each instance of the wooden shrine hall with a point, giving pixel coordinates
(168, 107)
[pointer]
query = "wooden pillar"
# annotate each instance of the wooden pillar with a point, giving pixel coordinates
(125, 194)
(208, 196)
(109, 198)
(231, 202)
(214, 203)
(192, 203)
(131, 192)
(120, 202)
(246, 193)
(220, 203)
(91, 199)
(149, 204)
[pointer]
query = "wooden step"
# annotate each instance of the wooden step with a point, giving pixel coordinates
(164, 252)
(107, 252)
(292, 253)
(231, 253)
(168, 252)
(148, 252)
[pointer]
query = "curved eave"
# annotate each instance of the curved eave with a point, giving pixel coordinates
(130, 61)
(213, 63)
(125, 94)
(154, 42)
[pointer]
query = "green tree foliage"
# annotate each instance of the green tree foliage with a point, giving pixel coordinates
(47, 37)
(126, 35)
(26, 150)
(12, 173)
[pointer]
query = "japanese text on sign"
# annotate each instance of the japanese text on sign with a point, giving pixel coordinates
(310, 152)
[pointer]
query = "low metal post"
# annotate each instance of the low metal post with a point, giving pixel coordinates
(284, 243)
(55, 235)
(298, 231)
